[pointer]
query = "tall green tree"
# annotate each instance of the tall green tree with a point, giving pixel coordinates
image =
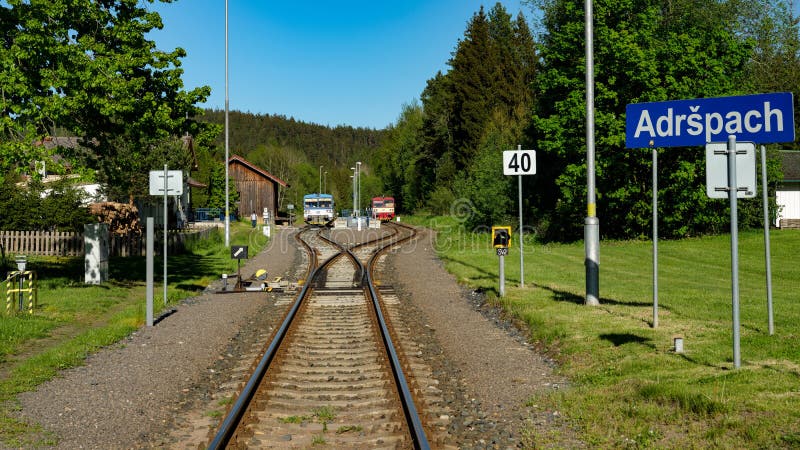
(645, 50)
(86, 66)
(474, 72)
(400, 163)
(436, 162)
(775, 65)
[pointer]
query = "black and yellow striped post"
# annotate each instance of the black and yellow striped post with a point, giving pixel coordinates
(9, 295)
(33, 293)
(21, 285)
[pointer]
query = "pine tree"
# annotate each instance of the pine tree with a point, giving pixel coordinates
(474, 68)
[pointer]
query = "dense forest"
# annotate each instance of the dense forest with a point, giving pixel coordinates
(510, 81)
(309, 157)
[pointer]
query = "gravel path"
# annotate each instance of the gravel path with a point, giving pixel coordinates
(151, 389)
(486, 363)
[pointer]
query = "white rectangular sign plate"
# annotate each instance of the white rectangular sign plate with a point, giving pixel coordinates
(717, 169)
(174, 182)
(519, 162)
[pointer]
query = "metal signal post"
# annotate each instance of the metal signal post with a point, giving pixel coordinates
(501, 240)
(520, 162)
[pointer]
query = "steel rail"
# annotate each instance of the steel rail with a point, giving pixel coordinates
(413, 420)
(409, 408)
(229, 425)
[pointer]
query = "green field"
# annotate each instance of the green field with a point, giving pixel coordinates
(73, 319)
(629, 387)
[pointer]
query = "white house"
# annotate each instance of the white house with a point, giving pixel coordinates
(787, 194)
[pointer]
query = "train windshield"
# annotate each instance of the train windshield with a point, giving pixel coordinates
(377, 203)
(388, 203)
(318, 203)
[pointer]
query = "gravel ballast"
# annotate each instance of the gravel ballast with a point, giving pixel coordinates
(148, 390)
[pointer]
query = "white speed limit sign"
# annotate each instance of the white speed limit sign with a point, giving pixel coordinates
(519, 162)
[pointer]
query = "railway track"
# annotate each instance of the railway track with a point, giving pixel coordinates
(331, 374)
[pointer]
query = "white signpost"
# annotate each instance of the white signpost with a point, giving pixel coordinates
(731, 174)
(520, 162)
(166, 182)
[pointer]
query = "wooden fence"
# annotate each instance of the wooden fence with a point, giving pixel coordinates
(47, 243)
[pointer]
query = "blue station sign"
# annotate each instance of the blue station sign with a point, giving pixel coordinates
(759, 118)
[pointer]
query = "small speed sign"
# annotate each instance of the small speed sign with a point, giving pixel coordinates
(519, 162)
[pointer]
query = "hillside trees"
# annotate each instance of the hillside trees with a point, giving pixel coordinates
(340, 145)
(86, 67)
(293, 150)
(504, 88)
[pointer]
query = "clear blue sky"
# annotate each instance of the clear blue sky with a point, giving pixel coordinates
(353, 62)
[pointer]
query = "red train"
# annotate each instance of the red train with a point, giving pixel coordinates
(383, 208)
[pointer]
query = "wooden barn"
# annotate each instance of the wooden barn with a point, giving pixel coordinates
(258, 189)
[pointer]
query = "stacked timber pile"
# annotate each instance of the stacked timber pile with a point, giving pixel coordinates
(122, 218)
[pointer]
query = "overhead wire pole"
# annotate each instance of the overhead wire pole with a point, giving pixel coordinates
(227, 206)
(521, 232)
(354, 191)
(767, 257)
(358, 186)
(591, 227)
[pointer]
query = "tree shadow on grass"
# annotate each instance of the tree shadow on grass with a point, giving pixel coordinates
(181, 269)
(564, 296)
(620, 339)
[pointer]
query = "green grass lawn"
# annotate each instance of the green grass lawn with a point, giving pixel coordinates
(73, 320)
(629, 388)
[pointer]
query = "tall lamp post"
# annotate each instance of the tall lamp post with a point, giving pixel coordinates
(227, 205)
(325, 181)
(320, 179)
(353, 176)
(591, 225)
(358, 185)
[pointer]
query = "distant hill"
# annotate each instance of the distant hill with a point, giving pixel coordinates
(321, 144)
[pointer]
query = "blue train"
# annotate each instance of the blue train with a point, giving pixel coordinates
(318, 209)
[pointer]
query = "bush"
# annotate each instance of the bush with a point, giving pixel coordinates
(57, 206)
